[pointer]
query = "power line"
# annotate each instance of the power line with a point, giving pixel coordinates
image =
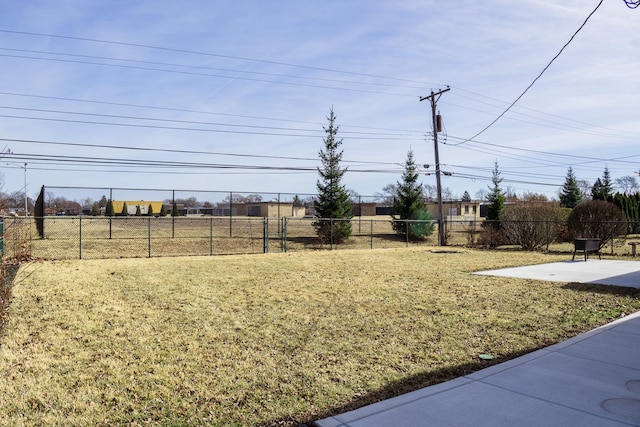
(539, 75)
(252, 79)
(161, 164)
(199, 67)
(191, 52)
(544, 113)
(176, 151)
(154, 119)
(578, 127)
(191, 129)
(181, 110)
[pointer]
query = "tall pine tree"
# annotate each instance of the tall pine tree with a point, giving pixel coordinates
(496, 198)
(570, 194)
(332, 205)
(603, 188)
(607, 184)
(409, 204)
(109, 208)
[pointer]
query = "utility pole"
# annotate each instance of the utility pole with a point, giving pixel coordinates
(26, 205)
(433, 98)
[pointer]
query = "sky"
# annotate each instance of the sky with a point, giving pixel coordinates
(229, 96)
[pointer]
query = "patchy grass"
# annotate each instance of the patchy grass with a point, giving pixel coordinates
(275, 339)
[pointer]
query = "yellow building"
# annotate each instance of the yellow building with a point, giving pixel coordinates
(132, 206)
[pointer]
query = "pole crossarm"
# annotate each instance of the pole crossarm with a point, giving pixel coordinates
(440, 92)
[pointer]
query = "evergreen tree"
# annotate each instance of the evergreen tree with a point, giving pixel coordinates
(607, 185)
(103, 202)
(163, 210)
(466, 197)
(597, 191)
(108, 211)
(138, 211)
(174, 210)
(95, 209)
(125, 209)
(570, 195)
(409, 203)
(150, 211)
(496, 198)
(333, 198)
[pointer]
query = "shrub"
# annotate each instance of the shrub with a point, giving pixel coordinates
(420, 225)
(597, 219)
(492, 235)
(531, 226)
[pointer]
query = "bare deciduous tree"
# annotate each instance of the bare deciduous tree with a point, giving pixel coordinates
(627, 184)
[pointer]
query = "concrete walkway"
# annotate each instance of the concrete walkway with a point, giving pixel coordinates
(590, 380)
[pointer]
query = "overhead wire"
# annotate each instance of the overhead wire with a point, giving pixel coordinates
(238, 77)
(246, 59)
(199, 53)
(539, 75)
(387, 78)
(577, 123)
(166, 64)
(111, 161)
(191, 122)
(176, 151)
(192, 129)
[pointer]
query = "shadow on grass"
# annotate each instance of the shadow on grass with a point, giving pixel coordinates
(397, 388)
(603, 289)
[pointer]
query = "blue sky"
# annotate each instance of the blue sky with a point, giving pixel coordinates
(232, 96)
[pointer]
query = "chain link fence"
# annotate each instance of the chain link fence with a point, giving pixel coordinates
(95, 237)
(88, 237)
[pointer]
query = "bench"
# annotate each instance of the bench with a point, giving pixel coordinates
(633, 248)
(586, 246)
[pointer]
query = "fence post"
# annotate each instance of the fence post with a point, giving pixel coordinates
(231, 214)
(149, 234)
(284, 234)
(371, 235)
(445, 233)
(80, 233)
(110, 207)
(548, 237)
(331, 233)
(173, 214)
(265, 235)
(406, 234)
(1, 237)
(211, 236)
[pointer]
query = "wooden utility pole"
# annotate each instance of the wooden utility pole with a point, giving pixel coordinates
(433, 98)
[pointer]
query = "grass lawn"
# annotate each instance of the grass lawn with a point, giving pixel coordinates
(274, 339)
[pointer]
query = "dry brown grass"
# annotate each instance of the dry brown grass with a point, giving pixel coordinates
(275, 339)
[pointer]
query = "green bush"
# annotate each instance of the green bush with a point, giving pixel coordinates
(420, 225)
